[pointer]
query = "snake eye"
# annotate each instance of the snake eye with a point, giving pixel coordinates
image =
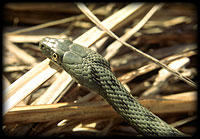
(41, 46)
(55, 57)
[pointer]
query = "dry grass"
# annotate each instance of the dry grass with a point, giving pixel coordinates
(40, 99)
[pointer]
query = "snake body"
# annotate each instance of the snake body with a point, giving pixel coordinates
(90, 69)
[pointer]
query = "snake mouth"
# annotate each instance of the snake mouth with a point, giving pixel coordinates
(45, 47)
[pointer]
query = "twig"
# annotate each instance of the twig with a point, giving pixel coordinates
(94, 19)
(16, 68)
(151, 66)
(184, 121)
(97, 109)
(55, 90)
(53, 23)
(25, 85)
(22, 55)
(30, 38)
(163, 75)
(111, 22)
(113, 48)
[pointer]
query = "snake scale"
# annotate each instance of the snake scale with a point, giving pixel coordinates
(90, 69)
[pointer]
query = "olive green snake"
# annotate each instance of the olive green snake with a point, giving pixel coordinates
(90, 69)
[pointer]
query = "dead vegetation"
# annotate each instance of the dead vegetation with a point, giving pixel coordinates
(40, 99)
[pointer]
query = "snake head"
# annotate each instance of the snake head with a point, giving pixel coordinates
(80, 62)
(54, 49)
(64, 52)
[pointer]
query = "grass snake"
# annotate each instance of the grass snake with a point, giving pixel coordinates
(90, 69)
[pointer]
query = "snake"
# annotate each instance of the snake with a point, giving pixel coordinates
(90, 69)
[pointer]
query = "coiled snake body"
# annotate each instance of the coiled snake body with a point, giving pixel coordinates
(90, 69)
